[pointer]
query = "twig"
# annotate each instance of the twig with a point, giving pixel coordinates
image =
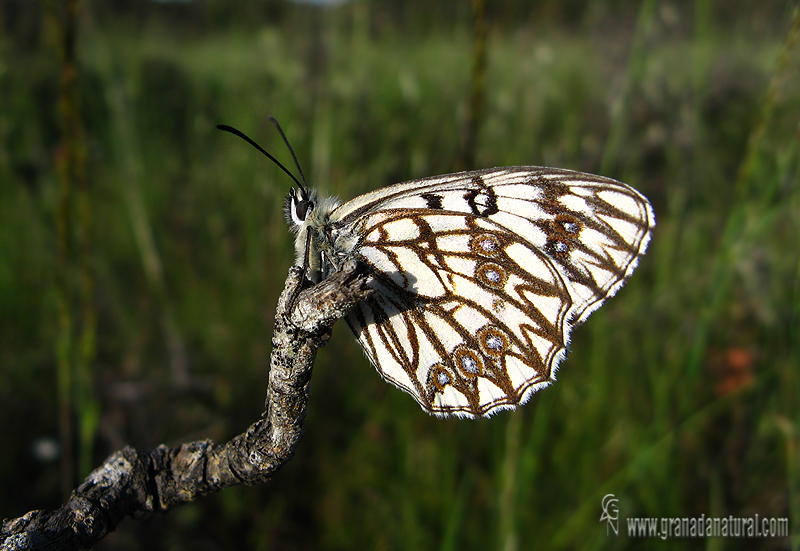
(136, 483)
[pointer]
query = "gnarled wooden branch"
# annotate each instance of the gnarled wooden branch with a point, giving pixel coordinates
(136, 483)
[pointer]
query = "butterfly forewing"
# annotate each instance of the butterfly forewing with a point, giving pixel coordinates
(480, 277)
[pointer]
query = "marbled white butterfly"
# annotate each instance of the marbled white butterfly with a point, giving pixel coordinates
(480, 276)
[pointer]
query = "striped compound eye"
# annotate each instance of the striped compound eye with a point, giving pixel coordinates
(301, 209)
(297, 207)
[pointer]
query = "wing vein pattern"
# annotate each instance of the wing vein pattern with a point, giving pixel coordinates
(480, 277)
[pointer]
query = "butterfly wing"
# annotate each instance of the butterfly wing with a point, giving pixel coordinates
(481, 275)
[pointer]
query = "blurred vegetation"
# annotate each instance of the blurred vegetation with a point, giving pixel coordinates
(142, 252)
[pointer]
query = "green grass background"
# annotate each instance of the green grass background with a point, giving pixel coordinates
(137, 309)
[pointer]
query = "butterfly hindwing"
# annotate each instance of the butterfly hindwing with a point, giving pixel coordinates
(467, 317)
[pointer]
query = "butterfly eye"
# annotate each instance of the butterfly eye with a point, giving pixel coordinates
(301, 209)
(297, 206)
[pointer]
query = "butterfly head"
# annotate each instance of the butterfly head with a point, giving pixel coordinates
(297, 207)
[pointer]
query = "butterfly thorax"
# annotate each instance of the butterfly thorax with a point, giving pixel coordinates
(316, 244)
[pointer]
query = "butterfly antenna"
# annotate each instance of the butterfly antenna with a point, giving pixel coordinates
(274, 122)
(246, 138)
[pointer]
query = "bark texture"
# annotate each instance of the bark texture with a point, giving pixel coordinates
(138, 483)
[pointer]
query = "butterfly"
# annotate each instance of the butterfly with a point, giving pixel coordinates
(479, 277)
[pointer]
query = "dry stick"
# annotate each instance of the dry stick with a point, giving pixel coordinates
(136, 483)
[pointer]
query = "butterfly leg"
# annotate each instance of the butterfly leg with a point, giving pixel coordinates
(318, 307)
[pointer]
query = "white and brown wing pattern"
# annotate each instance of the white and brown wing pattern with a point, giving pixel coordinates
(481, 276)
